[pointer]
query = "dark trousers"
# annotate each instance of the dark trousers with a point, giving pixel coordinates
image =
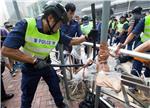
(3, 93)
(137, 66)
(111, 36)
(130, 44)
(30, 79)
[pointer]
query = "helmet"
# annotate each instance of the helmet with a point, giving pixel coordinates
(112, 17)
(137, 10)
(8, 25)
(123, 16)
(57, 10)
(85, 18)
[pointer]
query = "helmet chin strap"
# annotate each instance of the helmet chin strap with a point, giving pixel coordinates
(50, 31)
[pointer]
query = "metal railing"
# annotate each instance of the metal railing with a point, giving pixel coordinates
(124, 51)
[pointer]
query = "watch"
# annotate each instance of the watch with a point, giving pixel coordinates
(35, 61)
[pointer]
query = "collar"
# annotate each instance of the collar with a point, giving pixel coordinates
(39, 23)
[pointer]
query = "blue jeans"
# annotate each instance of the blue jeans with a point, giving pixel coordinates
(30, 79)
(147, 72)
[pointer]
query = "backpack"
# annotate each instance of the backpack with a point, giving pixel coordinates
(89, 101)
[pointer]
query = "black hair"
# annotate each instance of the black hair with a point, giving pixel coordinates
(70, 6)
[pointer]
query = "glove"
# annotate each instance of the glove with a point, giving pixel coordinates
(40, 64)
(92, 35)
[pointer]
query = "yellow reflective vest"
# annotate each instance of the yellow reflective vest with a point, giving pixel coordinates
(146, 34)
(38, 44)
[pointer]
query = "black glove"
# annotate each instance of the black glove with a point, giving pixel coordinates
(40, 64)
(92, 35)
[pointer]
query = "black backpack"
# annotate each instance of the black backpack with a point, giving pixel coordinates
(89, 101)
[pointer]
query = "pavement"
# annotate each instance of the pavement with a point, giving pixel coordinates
(42, 98)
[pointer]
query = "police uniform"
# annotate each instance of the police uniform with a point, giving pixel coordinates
(112, 29)
(142, 26)
(71, 30)
(86, 27)
(29, 34)
(123, 37)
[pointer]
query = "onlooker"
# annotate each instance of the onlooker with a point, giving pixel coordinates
(4, 95)
(3, 33)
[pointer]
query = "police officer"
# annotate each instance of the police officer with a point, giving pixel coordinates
(112, 28)
(136, 16)
(122, 29)
(142, 26)
(72, 27)
(85, 28)
(86, 25)
(37, 37)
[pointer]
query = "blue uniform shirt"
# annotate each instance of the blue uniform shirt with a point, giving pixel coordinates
(71, 30)
(139, 27)
(16, 38)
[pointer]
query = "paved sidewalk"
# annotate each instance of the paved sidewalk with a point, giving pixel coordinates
(42, 98)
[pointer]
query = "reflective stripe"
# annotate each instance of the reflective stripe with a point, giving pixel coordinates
(32, 54)
(145, 39)
(40, 45)
(40, 41)
(146, 33)
(39, 50)
(147, 27)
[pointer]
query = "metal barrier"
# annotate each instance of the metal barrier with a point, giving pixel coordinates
(126, 79)
(124, 51)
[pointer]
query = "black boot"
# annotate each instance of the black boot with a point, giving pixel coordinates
(7, 96)
(3, 106)
(62, 105)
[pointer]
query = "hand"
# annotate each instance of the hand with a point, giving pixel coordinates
(89, 62)
(92, 35)
(40, 64)
(119, 46)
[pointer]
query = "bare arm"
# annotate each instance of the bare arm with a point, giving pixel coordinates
(16, 54)
(77, 40)
(130, 29)
(143, 47)
(129, 38)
